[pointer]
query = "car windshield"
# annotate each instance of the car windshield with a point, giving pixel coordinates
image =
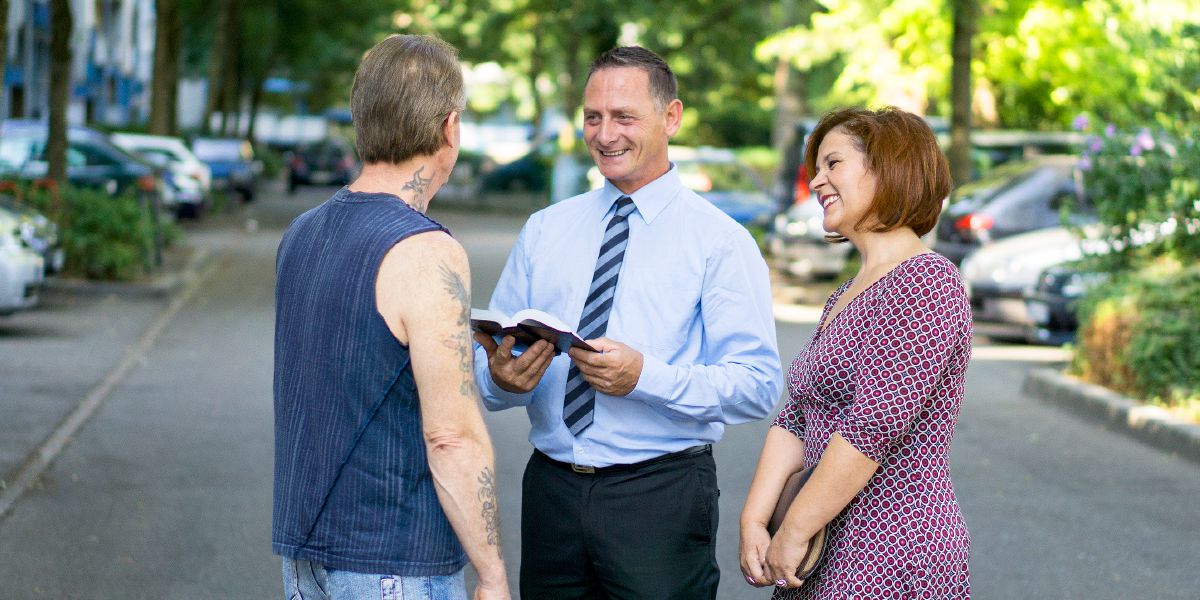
(15, 152)
(224, 150)
(707, 176)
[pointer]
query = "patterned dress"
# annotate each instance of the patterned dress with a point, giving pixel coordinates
(887, 373)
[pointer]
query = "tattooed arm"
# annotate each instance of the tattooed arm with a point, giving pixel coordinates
(423, 293)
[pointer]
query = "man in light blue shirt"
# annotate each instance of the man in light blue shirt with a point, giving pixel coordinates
(620, 494)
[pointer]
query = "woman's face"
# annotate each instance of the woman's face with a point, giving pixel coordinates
(844, 185)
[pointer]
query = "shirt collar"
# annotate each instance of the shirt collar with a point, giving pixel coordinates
(650, 199)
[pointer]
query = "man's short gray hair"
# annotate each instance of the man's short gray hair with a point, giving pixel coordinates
(663, 86)
(403, 91)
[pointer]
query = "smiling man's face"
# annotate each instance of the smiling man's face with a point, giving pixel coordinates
(625, 133)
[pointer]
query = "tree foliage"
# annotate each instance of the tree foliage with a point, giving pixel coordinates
(1037, 62)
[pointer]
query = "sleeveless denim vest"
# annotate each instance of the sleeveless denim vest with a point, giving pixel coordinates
(353, 489)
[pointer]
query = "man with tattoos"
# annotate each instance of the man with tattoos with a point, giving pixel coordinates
(620, 494)
(384, 473)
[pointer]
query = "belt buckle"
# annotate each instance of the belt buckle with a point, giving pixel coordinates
(584, 469)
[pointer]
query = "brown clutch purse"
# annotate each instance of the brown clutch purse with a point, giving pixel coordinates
(816, 546)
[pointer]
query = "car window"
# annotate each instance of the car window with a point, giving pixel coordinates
(93, 156)
(75, 158)
(161, 152)
(223, 150)
(15, 152)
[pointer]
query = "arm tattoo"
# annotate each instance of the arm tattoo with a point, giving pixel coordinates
(491, 508)
(419, 185)
(461, 341)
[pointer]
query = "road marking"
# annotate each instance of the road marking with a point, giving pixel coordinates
(41, 458)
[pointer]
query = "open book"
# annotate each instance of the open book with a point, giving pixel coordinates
(527, 326)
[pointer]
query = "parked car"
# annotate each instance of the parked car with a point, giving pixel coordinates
(92, 159)
(796, 243)
(529, 173)
(327, 162)
(1051, 303)
(719, 177)
(39, 233)
(22, 270)
(188, 176)
(1023, 197)
(998, 276)
(232, 163)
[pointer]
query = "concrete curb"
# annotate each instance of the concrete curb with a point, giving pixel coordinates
(162, 285)
(1149, 424)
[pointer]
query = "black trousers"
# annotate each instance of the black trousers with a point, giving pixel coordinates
(647, 533)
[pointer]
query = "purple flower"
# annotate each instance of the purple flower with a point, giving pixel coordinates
(1144, 139)
(1110, 130)
(1080, 123)
(1095, 144)
(1085, 163)
(1135, 150)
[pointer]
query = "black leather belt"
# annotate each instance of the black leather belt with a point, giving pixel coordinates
(586, 470)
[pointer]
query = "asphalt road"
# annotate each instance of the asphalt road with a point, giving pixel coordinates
(165, 492)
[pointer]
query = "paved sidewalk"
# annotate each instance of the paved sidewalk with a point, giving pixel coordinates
(60, 359)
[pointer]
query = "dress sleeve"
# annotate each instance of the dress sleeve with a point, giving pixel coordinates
(910, 333)
(791, 418)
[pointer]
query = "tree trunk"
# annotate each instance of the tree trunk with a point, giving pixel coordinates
(231, 95)
(218, 58)
(3, 53)
(790, 89)
(536, 66)
(60, 89)
(960, 91)
(163, 100)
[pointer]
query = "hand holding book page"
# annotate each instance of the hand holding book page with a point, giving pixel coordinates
(528, 326)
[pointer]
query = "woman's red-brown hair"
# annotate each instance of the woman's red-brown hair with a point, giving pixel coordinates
(912, 175)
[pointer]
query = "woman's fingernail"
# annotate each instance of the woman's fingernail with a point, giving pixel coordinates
(780, 582)
(749, 579)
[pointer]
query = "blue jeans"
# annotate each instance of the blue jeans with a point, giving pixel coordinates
(305, 580)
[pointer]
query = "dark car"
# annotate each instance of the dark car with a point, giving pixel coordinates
(232, 162)
(529, 173)
(1022, 197)
(1052, 301)
(327, 162)
(92, 160)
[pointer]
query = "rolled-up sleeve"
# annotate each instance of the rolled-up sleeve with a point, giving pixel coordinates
(903, 354)
(738, 378)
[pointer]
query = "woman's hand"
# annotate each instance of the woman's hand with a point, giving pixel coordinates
(755, 541)
(784, 556)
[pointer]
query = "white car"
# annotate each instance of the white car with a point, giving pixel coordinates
(998, 275)
(190, 178)
(21, 269)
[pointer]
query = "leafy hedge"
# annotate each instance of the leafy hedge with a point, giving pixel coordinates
(1139, 334)
(104, 237)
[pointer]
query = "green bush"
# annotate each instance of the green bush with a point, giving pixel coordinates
(1138, 334)
(104, 237)
(271, 159)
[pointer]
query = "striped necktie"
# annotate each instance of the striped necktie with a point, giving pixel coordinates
(580, 401)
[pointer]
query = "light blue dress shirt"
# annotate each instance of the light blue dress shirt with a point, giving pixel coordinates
(693, 297)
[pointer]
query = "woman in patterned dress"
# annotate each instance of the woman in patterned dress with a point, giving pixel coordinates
(876, 391)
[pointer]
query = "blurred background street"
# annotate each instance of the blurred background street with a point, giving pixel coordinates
(152, 152)
(165, 492)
